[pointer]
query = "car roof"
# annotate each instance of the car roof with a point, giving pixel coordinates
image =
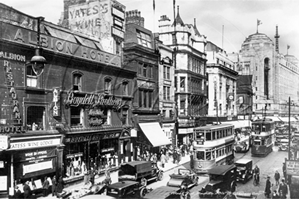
(221, 169)
(122, 184)
(243, 161)
(97, 196)
(139, 166)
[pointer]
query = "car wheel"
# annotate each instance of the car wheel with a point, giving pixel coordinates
(143, 192)
(196, 181)
(159, 176)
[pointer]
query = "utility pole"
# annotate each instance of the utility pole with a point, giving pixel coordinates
(289, 155)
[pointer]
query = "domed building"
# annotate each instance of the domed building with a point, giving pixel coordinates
(275, 77)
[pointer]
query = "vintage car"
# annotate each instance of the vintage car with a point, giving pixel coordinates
(123, 189)
(140, 171)
(283, 145)
(220, 179)
(183, 177)
(244, 170)
(279, 137)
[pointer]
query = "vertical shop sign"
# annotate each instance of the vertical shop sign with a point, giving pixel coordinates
(56, 106)
(10, 83)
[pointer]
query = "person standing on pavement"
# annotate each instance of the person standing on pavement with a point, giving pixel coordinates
(277, 177)
(60, 185)
(283, 189)
(54, 182)
(162, 160)
(268, 187)
(27, 190)
(46, 185)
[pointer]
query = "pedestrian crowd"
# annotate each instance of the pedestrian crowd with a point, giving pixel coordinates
(29, 189)
(165, 155)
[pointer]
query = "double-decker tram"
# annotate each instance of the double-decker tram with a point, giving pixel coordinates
(212, 145)
(263, 132)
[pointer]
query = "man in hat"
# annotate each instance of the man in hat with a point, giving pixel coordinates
(283, 189)
(268, 187)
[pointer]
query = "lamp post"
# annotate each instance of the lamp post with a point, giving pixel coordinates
(38, 62)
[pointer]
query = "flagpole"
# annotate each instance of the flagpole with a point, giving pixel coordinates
(153, 16)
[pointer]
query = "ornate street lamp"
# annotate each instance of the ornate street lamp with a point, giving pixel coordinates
(38, 62)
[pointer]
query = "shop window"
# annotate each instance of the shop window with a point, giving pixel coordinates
(107, 85)
(76, 116)
(36, 118)
(31, 77)
(77, 82)
(125, 88)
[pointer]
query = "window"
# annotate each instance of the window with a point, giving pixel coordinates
(140, 98)
(168, 73)
(182, 83)
(76, 119)
(77, 82)
(145, 70)
(150, 99)
(125, 116)
(164, 72)
(200, 155)
(208, 136)
(165, 93)
(35, 118)
(168, 93)
(144, 39)
(125, 88)
(164, 113)
(150, 72)
(145, 99)
(107, 85)
(31, 77)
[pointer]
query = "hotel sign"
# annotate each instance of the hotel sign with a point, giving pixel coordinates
(25, 36)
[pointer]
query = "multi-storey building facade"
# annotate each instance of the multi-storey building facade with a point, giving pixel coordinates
(190, 73)
(167, 91)
(222, 79)
(275, 77)
(67, 116)
(141, 55)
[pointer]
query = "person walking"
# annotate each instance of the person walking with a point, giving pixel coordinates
(268, 187)
(46, 186)
(54, 182)
(283, 189)
(277, 177)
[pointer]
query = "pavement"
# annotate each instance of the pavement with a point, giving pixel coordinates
(80, 187)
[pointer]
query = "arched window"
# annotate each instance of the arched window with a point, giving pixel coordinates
(125, 88)
(107, 85)
(266, 77)
(31, 77)
(77, 82)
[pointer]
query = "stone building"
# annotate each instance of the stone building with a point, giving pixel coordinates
(275, 77)
(190, 73)
(222, 83)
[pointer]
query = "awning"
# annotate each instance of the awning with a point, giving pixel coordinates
(275, 119)
(286, 119)
(155, 134)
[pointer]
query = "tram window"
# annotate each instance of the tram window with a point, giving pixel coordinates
(214, 135)
(218, 134)
(256, 142)
(223, 132)
(208, 156)
(200, 155)
(208, 136)
(263, 142)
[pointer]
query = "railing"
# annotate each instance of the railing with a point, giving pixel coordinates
(103, 127)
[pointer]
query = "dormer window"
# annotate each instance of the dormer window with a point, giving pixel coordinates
(144, 39)
(77, 82)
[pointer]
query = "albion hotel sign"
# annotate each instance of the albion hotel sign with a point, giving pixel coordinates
(21, 35)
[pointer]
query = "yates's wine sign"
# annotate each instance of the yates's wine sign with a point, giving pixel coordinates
(93, 100)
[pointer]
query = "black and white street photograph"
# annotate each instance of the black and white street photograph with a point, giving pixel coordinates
(149, 99)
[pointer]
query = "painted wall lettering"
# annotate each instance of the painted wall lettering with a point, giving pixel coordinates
(56, 106)
(59, 45)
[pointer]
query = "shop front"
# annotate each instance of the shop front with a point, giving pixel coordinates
(86, 151)
(30, 158)
(185, 135)
(151, 138)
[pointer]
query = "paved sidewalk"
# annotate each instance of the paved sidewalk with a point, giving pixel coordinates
(168, 166)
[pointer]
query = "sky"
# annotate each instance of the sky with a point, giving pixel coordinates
(226, 23)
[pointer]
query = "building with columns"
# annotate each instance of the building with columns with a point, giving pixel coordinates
(190, 73)
(222, 83)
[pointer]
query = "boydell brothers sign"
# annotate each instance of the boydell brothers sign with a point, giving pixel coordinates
(93, 100)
